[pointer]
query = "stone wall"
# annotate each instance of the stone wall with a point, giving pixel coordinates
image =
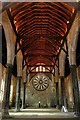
(46, 97)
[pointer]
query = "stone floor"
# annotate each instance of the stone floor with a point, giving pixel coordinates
(41, 114)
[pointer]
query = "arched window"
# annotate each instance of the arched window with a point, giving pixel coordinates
(44, 69)
(36, 69)
(40, 68)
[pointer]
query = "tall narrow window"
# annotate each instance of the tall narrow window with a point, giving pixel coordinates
(44, 69)
(36, 69)
(40, 68)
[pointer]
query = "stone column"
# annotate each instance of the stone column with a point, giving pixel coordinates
(24, 86)
(57, 87)
(14, 90)
(19, 77)
(63, 100)
(62, 76)
(5, 105)
(10, 40)
(57, 95)
(75, 85)
(24, 92)
(72, 44)
(1, 76)
(18, 91)
(75, 89)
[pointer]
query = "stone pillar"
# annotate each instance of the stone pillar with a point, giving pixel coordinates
(1, 76)
(75, 89)
(24, 86)
(14, 90)
(57, 87)
(62, 74)
(72, 44)
(24, 92)
(63, 100)
(57, 95)
(19, 76)
(75, 85)
(10, 41)
(5, 105)
(18, 91)
(10, 38)
(69, 92)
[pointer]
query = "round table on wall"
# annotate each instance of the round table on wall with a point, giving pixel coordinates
(40, 82)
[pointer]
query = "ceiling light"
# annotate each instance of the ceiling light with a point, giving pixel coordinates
(61, 41)
(73, 10)
(58, 50)
(67, 22)
(15, 21)
(16, 28)
(10, 9)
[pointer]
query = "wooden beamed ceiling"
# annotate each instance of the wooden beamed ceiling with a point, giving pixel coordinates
(42, 28)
